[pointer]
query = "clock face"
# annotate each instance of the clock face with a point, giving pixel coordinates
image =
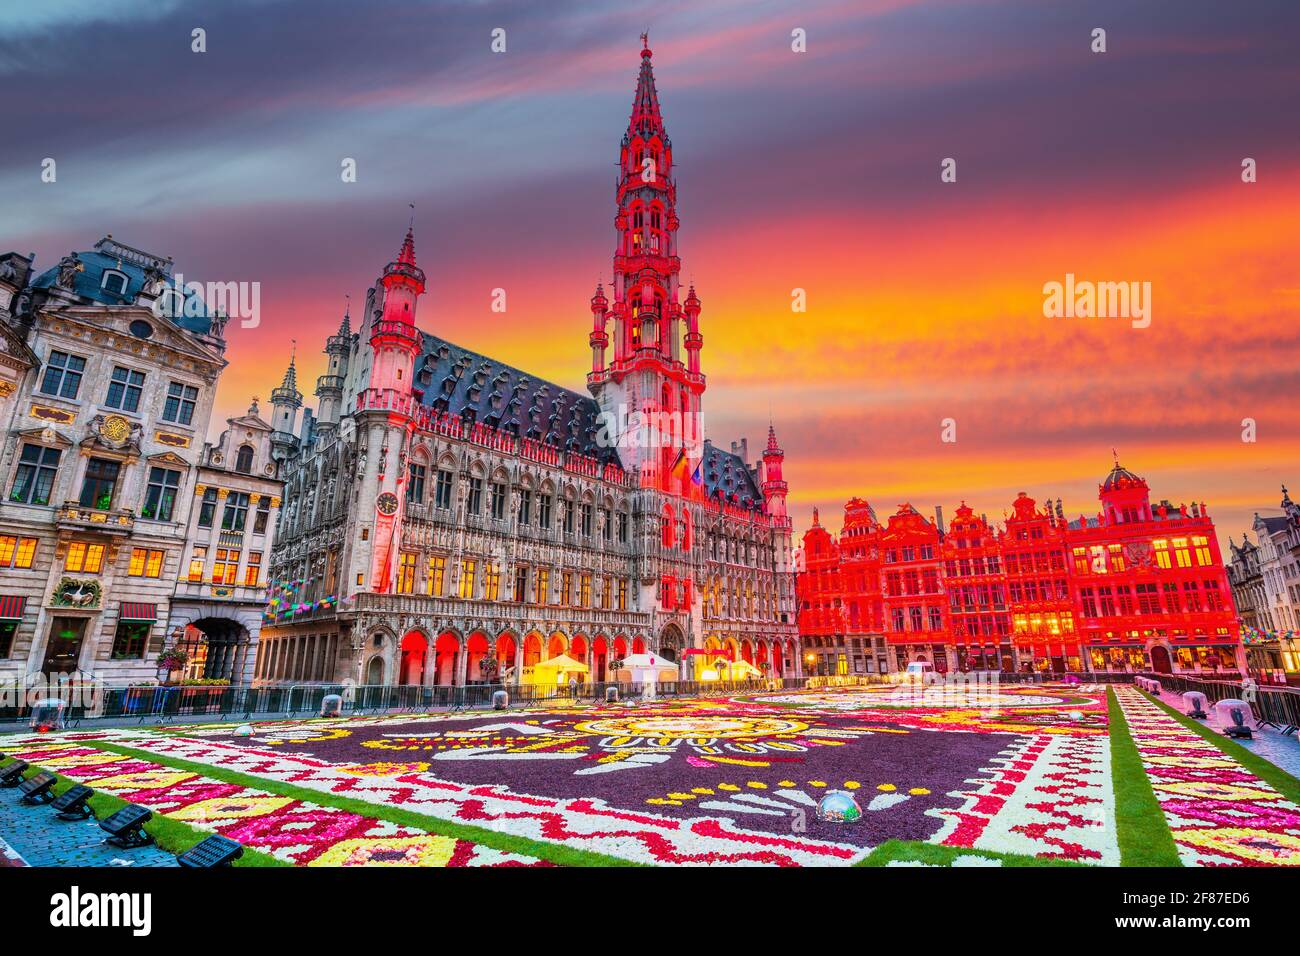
(386, 503)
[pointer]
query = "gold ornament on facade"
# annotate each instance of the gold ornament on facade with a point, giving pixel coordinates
(115, 430)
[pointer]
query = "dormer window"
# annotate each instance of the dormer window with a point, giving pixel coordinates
(244, 459)
(113, 282)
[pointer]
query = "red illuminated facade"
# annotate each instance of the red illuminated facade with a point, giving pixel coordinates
(1135, 587)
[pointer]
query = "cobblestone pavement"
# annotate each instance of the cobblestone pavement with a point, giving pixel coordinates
(1282, 751)
(9, 856)
(42, 839)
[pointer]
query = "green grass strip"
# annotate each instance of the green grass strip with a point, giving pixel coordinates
(911, 851)
(1144, 837)
(554, 852)
(172, 836)
(1266, 770)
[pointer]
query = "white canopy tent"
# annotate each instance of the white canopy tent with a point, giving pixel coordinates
(647, 670)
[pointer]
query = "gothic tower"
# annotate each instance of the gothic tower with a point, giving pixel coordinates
(285, 402)
(384, 416)
(329, 387)
(648, 394)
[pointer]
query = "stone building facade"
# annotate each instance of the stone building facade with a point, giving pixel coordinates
(221, 587)
(107, 382)
(449, 518)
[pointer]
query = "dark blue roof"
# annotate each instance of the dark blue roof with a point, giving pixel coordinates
(469, 385)
(721, 471)
(88, 284)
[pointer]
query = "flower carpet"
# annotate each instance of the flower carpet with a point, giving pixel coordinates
(295, 831)
(967, 776)
(1219, 812)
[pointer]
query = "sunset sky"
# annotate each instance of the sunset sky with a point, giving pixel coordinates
(817, 170)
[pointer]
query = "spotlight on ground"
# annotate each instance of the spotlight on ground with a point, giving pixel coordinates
(125, 828)
(71, 804)
(212, 852)
(36, 788)
(1238, 728)
(12, 775)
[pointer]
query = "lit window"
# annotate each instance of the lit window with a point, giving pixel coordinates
(145, 563)
(1116, 558)
(406, 573)
(16, 552)
(437, 572)
(467, 571)
(197, 559)
(491, 582)
(225, 569)
(1162, 554)
(84, 557)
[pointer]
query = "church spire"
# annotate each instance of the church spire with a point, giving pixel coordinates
(650, 358)
(407, 254)
(646, 119)
(288, 388)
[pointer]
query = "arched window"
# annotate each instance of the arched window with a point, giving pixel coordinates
(669, 532)
(244, 459)
(686, 531)
(113, 282)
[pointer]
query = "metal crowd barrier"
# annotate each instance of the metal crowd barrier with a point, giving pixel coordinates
(1275, 707)
(165, 704)
(188, 703)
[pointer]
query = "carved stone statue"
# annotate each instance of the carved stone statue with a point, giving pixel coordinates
(69, 266)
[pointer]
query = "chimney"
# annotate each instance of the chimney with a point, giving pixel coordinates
(938, 518)
(741, 448)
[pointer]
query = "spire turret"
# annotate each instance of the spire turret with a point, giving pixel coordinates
(394, 337)
(285, 402)
(286, 393)
(775, 488)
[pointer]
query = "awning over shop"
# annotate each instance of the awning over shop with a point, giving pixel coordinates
(11, 607)
(137, 612)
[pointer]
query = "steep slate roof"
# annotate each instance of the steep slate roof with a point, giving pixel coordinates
(1274, 523)
(456, 380)
(722, 471)
(464, 383)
